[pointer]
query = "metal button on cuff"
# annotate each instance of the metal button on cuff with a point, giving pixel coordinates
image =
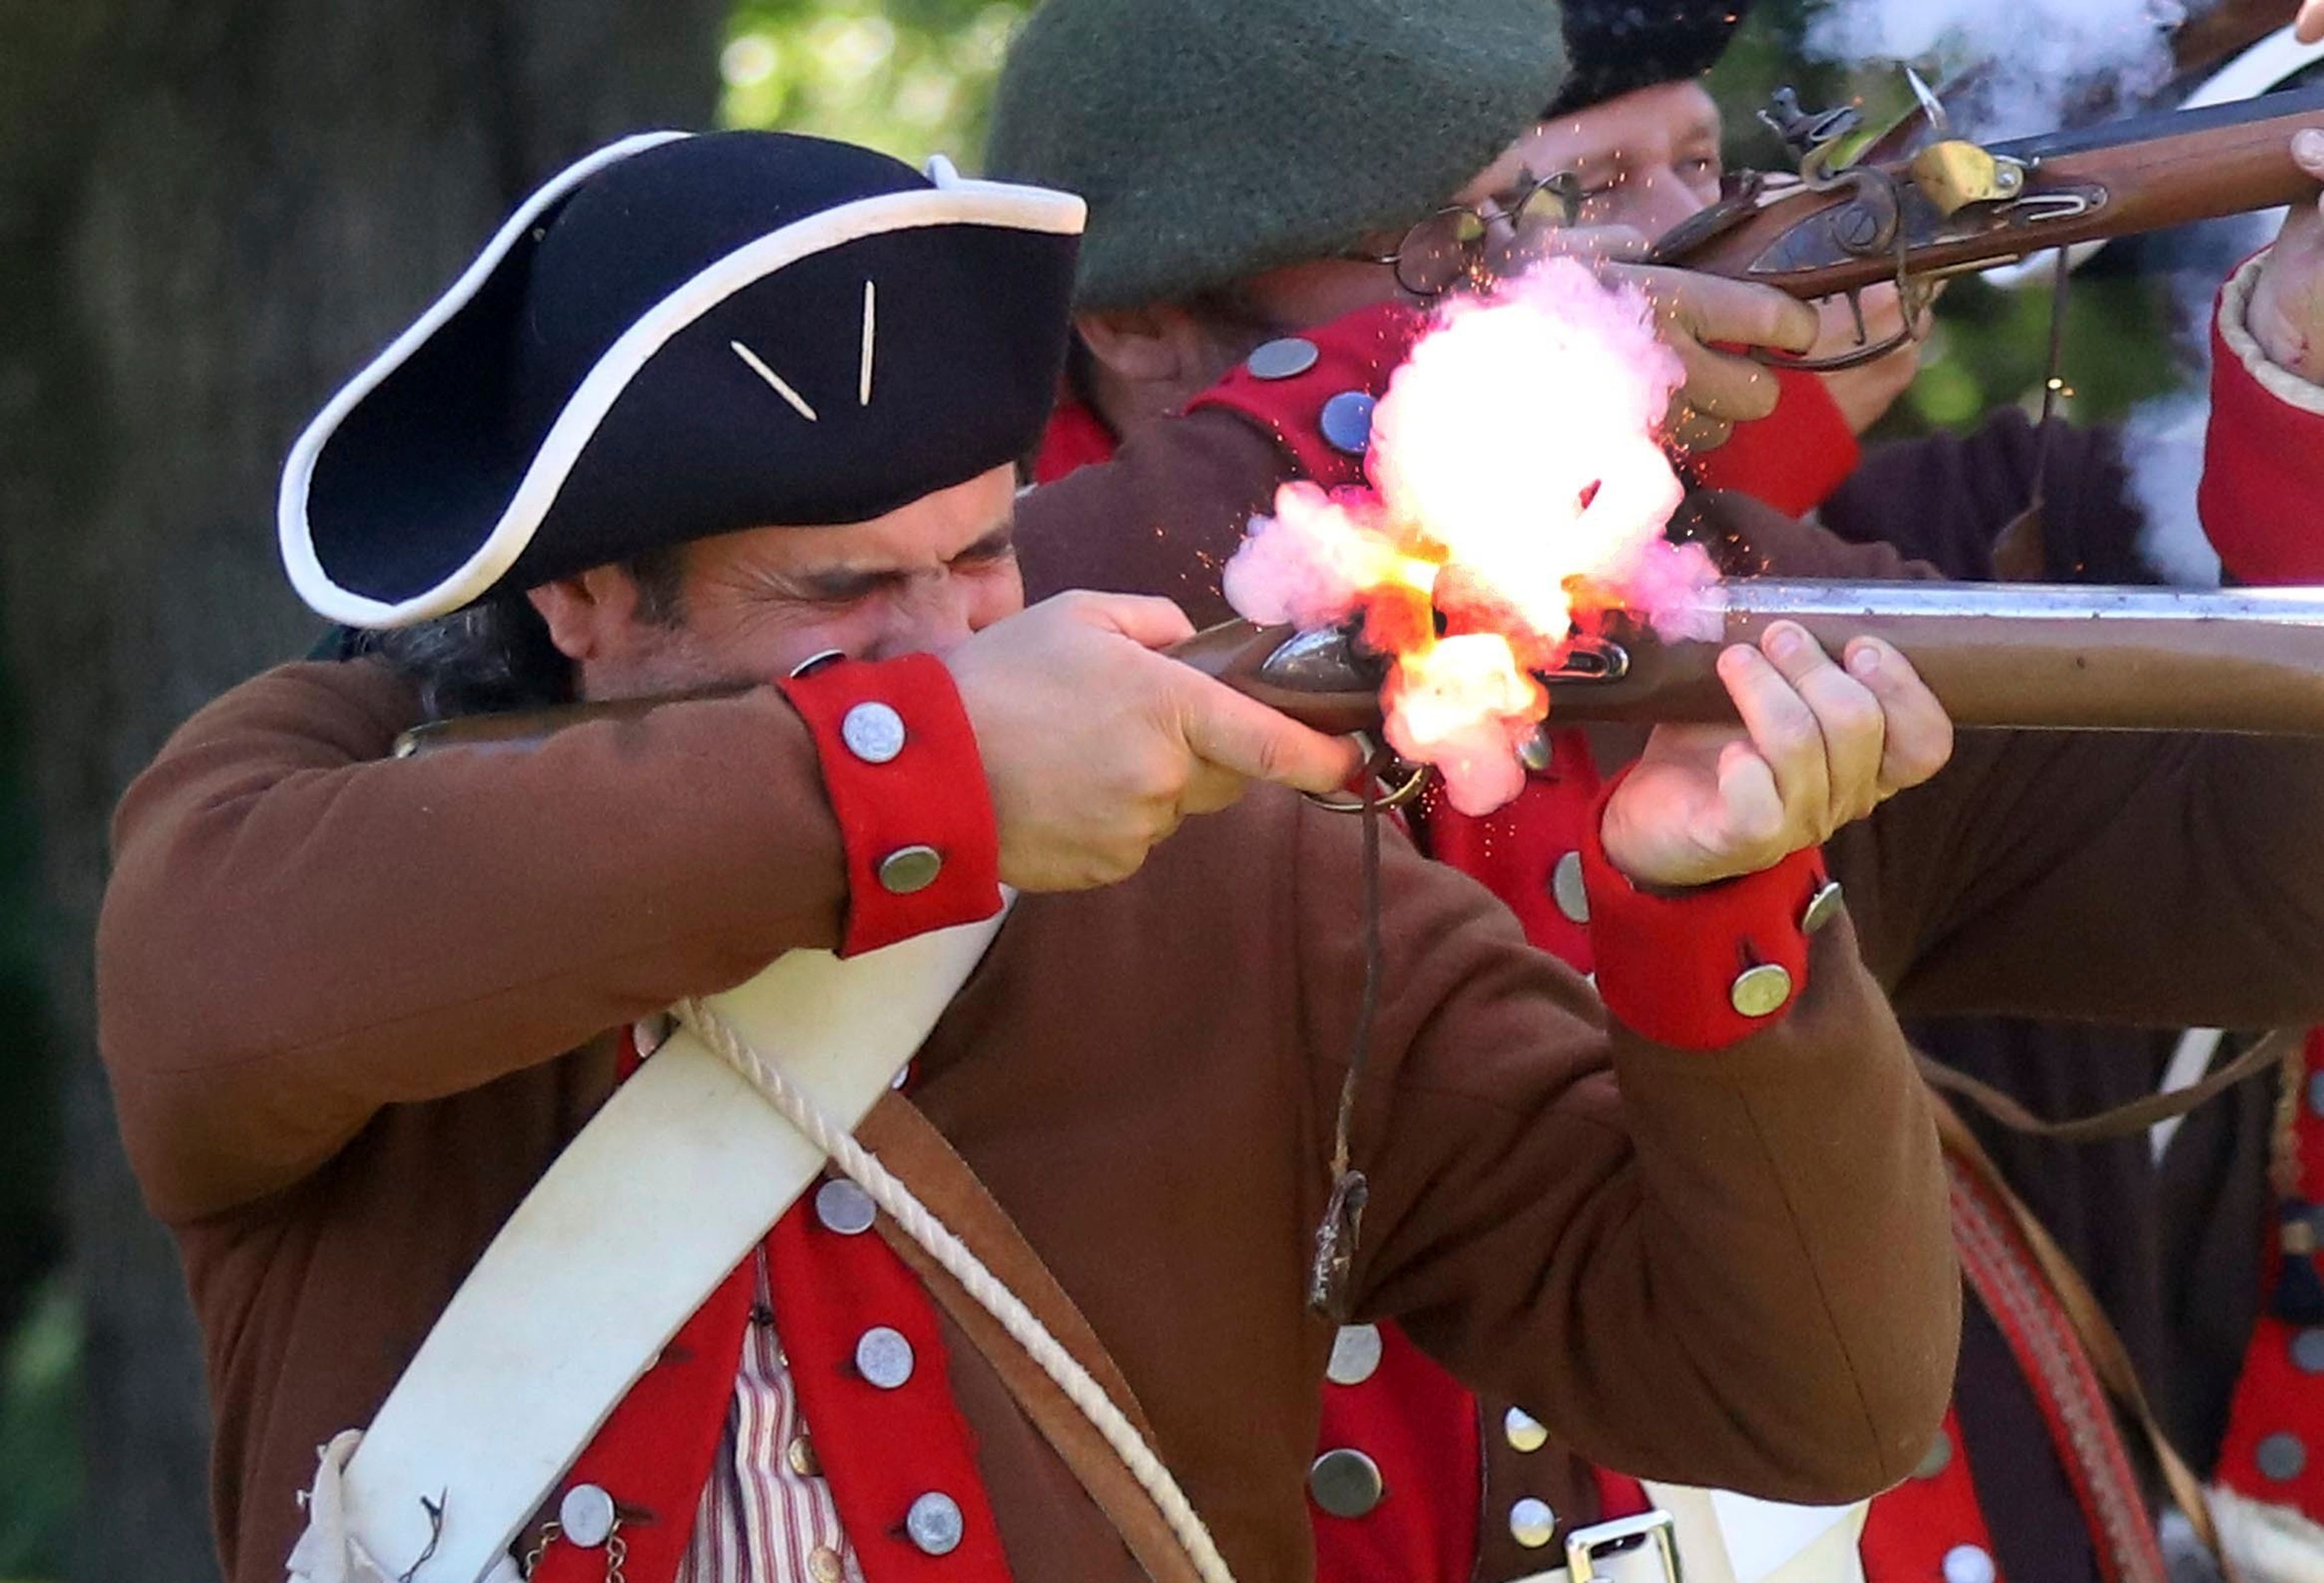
(910, 869)
(1537, 751)
(1761, 991)
(1347, 421)
(1823, 907)
(1345, 1483)
(844, 1207)
(1533, 1522)
(872, 731)
(935, 1525)
(585, 1515)
(1968, 1563)
(884, 1357)
(1568, 891)
(2315, 1094)
(2308, 1351)
(1355, 1355)
(1283, 359)
(1523, 1430)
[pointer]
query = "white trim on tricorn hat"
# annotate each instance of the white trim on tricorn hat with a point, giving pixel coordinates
(952, 200)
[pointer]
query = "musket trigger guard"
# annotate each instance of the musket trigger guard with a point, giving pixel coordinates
(1395, 794)
(1914, 296)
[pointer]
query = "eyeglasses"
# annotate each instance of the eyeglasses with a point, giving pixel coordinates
(1450, 246)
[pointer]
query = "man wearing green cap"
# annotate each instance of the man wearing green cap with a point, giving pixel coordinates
(1210, 244)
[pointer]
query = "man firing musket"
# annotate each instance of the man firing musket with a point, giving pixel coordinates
(565, 1292)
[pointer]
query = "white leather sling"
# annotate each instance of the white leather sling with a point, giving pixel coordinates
(649, 1207)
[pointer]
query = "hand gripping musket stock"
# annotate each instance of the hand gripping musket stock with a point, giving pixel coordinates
(1957, 206)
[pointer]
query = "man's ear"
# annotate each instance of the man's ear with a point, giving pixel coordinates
(1157, 345)
(592, 615)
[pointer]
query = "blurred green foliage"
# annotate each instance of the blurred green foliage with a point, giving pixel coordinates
(912, 77)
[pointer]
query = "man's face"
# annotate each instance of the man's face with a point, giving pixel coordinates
(751, 607)
(1647, 161)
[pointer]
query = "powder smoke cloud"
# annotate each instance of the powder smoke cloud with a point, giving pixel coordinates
(2035, 60)
(1518, 487)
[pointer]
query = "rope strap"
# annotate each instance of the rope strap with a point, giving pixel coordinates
(885, 1189)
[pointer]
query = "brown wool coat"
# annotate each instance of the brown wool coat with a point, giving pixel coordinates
(339, 994)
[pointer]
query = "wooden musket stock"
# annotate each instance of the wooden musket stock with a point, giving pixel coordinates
(2016, 655)
(2116, 180)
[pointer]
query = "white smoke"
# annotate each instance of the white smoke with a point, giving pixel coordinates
(2162, 450)
(2033, 62)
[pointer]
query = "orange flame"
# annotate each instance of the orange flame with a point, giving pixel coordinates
(1520, 492)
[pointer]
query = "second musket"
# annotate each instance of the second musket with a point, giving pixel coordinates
(2021, 655)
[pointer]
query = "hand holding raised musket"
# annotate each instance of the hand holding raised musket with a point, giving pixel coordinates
(2287, 307)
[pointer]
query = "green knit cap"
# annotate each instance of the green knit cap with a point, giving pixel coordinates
(1214, 139)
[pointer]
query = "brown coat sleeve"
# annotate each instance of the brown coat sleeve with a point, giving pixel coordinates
(1731, 1269)
(300, 930)
(1161, 518)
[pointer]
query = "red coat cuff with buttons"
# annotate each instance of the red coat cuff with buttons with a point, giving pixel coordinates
(2261, 467)
(901, 765)
(1707, 968)
(1314, 391)
(1792, 458)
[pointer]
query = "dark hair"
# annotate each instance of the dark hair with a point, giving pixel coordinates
(497, 655)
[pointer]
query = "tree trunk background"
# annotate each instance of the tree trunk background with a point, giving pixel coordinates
(210, 214)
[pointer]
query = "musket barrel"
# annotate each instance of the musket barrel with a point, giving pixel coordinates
(2017, 655)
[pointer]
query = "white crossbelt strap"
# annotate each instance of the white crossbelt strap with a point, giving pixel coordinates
(1728, 1538)
(660, 1196)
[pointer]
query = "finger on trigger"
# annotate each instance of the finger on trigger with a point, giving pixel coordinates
(1734, 390)
(1240, 735)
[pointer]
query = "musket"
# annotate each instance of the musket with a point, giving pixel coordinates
(2024, 655)
(2021, 655)
(1958, 206)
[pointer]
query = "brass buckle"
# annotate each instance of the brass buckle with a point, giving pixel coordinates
(1621, 1535)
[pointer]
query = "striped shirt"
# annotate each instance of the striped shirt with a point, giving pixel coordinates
(767, 1515)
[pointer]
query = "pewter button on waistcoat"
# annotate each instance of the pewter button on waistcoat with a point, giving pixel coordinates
(1760, 991)
(935, 1524)
(873, 732)
(1537, 751)
(823, 1564)
(2282, 1456)
(1532, 1523)
(1355, 1355)
(1968, 1563)
(800, 1455)
(1347, 421)
(1523, 1430)
(884, 1357)
(908, 869)
(1566, 889)
(1823, 907)
(1345, 1483)
(2308, 1351)
(844, 1207)
(585, 1515)
(1285, 359)
(1937, 1458)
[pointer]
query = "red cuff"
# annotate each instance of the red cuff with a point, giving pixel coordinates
(1699, 970)
(1793, 457)
(1319, 409)
(2261, 476)
(901, 765)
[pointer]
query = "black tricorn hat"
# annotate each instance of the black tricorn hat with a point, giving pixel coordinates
(680, 337)
(1620, 46)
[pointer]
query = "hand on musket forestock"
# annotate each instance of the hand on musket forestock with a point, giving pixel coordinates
(2287, 306)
